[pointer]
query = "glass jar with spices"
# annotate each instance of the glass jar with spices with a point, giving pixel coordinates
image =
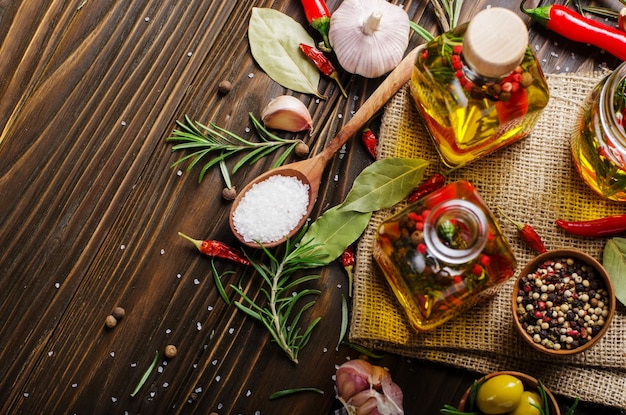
(599, 142)
(442, 254)
(479, 86)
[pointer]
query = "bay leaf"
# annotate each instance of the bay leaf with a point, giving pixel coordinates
(384, 183)
(334, 231)
(614, 261)
(274, 41)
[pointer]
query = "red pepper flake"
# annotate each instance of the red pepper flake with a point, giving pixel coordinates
(370, 142)
(527, 234)
(347, 261)
(421, 248)
(217, 249)
(432, 183)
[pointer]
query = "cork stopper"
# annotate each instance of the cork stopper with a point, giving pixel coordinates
(495, 42)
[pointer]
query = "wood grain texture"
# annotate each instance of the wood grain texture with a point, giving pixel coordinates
(90, 209)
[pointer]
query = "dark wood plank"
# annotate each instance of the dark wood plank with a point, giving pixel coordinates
(90, 209)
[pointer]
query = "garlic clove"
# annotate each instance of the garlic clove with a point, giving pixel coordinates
(287, 113)
(369, 37)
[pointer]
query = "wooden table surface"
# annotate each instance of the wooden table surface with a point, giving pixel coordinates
(90, 209)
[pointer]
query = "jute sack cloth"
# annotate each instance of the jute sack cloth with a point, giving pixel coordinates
(532, 181)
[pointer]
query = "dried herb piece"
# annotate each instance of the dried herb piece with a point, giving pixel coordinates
(274, 42)
(344, 321)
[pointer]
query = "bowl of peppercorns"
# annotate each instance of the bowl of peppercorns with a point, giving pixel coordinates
(563, 302)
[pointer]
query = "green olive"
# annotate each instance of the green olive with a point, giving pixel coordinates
(526, 402)
(499, 394)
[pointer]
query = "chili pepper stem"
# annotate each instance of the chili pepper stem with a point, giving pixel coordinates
(335, 77)
(518, 225)
(539, 14)
(197, 243)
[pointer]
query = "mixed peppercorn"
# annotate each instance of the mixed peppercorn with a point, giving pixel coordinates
(563, 304)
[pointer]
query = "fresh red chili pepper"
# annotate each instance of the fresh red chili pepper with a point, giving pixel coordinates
(370, 142)
(348, 261)
(217, 249)
(318, 16)
(606, 226)
(578, 28)
(432, 183)
(322, 63)
(527, 234)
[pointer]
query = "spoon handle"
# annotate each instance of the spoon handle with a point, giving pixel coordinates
(394, 81)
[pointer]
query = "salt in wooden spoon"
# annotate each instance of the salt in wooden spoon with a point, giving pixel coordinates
(310, 171)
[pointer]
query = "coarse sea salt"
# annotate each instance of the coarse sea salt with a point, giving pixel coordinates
(271, 209)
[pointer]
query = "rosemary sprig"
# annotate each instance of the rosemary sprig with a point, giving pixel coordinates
(279, 313)
(211, 140)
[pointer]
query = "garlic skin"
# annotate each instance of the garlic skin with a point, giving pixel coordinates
(369, 37)
(365, 389)
(287, 113)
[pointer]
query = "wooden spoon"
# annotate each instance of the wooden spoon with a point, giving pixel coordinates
(310, 171)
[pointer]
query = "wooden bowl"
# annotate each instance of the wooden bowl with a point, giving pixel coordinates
(574, 328)
(529, 382)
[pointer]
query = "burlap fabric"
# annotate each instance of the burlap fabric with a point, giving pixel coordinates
(533, 181)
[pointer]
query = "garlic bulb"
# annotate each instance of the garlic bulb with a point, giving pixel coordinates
(366, 389)
(369, 37)
(287, 113)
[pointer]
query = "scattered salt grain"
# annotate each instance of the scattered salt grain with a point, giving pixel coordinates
(162, 251)
(160, 369)
(57, 285)
(147, 19)
(198, 389)
(178, 276)
(231, 330)
(50, 353)
(247, 129)
(26, 394)
(74, 385)
(220, 405)
(271, 209)
(189, 54)
(210, 308)
(165, 385)
(214, 362)
(248, 392)
(112, 354)
(134, 364)
(168, 331)
(250, 75)
(122, 246)
(199, 326)
(113, 399)
(218, 378)
(196, 281)
(123, 123)
(179, 173)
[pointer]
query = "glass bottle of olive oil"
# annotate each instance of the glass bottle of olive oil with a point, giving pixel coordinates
(599, 144)
(442, 254)
(479, 87)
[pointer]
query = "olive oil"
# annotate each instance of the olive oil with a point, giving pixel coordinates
(474, 98)
(599, 144)
(443, 254)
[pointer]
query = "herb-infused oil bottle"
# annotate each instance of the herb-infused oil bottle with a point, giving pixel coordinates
(479, 86)
(442, 254)
(599, 144)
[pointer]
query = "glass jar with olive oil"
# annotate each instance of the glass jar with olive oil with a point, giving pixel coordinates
(599, 143)
(442, 254)
(479, 87)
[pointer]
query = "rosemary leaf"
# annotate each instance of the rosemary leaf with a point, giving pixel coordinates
(146, 374)
(287, 392)
(344, 321)
(218, 283)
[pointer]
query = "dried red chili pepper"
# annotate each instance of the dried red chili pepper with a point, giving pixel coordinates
(601, 227)
(370, 142)
(578, 28)
(318, 16)
(432, 183)
(348, 261)
(322, 63)
(527, 234)
(217, 249)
